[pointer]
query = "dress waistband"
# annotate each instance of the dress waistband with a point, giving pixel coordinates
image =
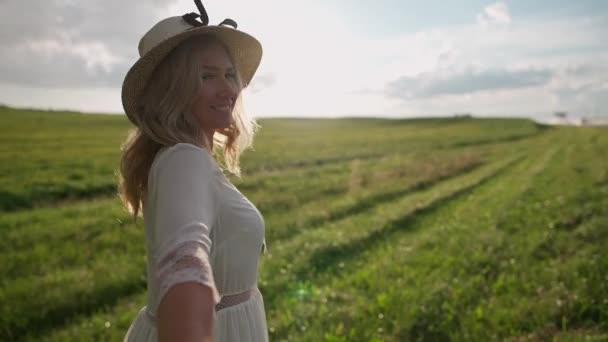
(232, 300)
(225, 302)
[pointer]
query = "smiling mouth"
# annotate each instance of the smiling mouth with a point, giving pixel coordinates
(224, 109)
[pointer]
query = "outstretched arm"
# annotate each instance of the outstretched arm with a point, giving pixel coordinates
(186, 314)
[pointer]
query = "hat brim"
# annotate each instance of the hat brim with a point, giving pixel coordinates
(244, 49)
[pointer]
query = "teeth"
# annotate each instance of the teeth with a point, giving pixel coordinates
(222, 108)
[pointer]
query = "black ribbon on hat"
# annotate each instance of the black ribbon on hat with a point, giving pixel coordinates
(190, 18)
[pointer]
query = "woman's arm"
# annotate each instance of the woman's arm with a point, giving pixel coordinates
(183, 213)
(186, 314)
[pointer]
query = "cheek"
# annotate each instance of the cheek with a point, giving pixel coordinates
(207, 117)
(200, 108)
(197, 107)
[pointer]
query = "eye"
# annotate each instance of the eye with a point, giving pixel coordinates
(207, 76)
(231, 75)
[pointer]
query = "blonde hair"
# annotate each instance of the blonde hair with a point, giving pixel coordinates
(165, 119)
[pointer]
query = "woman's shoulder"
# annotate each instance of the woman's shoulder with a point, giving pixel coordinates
(184, 148)
(184, 155)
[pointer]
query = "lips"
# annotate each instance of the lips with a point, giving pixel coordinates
(222, 108)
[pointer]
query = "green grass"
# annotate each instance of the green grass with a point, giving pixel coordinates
(378, 230)
(53, 157)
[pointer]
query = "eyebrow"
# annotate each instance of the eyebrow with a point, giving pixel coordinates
(216, 68)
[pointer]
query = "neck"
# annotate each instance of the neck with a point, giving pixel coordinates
(209, 137)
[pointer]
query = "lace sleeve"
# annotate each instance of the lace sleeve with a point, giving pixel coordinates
(186, 262)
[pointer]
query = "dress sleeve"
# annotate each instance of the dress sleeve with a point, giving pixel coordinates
(185, 211)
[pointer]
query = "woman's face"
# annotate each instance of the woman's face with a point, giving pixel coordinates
(214, 101)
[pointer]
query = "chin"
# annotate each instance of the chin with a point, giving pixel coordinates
(222, 126)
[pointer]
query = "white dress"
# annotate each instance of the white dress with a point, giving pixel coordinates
(199, 227)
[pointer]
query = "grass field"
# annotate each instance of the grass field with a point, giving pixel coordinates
(403, 230)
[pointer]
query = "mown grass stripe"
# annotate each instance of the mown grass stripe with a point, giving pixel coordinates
(350, 204)
(287, 267)
(342, 287)
(106, 323)
(43, 302)
(327, 258)
(417, 248)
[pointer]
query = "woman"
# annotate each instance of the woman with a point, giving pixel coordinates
(203, 236)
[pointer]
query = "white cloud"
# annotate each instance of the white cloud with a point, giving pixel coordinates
(469, 81)
(451, 63)
(495, 14)
(62, 43)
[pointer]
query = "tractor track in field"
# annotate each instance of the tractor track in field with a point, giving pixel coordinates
(13, 202)
(23, 320)
(370, 202)
(326, 258)
(324, 261)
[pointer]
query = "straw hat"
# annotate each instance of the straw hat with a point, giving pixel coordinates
(167, 34)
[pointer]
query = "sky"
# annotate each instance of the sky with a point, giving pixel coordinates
(330, 58)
